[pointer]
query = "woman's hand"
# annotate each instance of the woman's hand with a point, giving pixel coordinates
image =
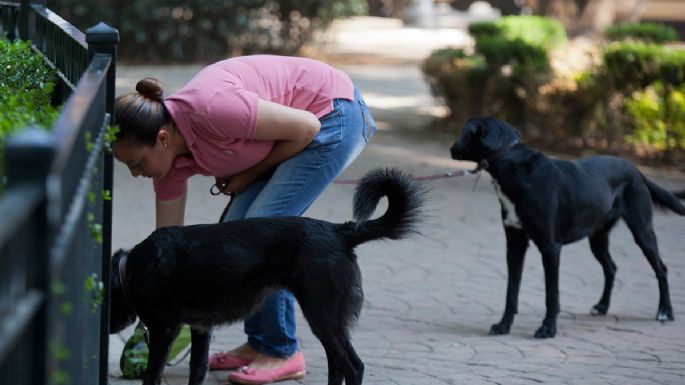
(238, 182)
(290, 129)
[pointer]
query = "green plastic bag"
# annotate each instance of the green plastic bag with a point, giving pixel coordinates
(134, 357)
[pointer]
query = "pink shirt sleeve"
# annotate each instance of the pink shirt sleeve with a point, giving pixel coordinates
(173, 185)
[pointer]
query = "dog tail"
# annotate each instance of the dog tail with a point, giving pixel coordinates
(680, 194)
(405, 199)
(664, 199)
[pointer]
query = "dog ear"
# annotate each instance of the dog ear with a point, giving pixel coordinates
(496, 134)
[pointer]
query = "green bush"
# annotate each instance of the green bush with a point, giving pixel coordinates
(645, 31)
(522, 56)
(156, 31)
(540, 31)
(633, 65)
(658, 123)
(26, 85)
(503, 76)
(453, 76)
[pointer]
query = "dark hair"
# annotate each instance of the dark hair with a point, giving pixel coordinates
(140, 115)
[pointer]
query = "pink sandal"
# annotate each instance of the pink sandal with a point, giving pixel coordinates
(226, 360)
(293, 368)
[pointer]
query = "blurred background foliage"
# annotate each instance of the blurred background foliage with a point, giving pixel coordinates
(163, 31)
(629, 100)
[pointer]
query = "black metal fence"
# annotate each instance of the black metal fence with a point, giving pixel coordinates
(55, 226)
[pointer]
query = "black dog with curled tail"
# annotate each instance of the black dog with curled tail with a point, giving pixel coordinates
(206, 275)
(554, 202)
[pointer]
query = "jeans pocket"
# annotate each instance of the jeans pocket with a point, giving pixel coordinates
(332, 126)
(369, 124)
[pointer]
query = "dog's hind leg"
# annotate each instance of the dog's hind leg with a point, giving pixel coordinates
(199, 352)
(341, 356)
(646, 239)
(638, 217)
(517, 244)
(335, 373)
(330, 317)
(599, 244)
(160, 345)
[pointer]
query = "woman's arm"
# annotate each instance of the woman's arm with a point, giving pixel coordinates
(171, 213)
(290, 128)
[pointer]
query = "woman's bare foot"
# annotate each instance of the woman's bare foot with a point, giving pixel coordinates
(263, 362)
(245, 351)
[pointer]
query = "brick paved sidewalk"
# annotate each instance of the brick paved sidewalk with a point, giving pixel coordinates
(430, 300)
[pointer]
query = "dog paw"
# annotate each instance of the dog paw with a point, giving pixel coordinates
(546, 332)
(498, 330)
(599, 309)
(665, 315)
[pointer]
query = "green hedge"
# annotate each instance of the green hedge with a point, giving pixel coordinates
(501, 78)
(646, 31)
(659, 122)
(632, 103)
(163, 31)
(635, 65)
(26, 85)
(540, 31)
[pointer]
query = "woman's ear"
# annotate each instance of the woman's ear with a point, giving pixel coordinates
(163, 137)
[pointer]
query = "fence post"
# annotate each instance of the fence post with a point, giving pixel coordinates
(28, 157)
(27, 18)
(102, 40)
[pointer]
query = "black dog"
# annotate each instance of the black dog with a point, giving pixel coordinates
(556, 202)
(205, 275)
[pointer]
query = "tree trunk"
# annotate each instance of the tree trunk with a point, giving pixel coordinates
(589, 17)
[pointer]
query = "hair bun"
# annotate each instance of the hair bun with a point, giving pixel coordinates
(150, 88)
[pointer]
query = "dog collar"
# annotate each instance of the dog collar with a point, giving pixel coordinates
(484, 164)
(127, 298)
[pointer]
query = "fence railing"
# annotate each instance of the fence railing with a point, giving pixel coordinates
(55, 232)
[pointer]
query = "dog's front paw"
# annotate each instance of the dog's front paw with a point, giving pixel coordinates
(546, 331)
(499, 329)
(599, 309)
(665, 314)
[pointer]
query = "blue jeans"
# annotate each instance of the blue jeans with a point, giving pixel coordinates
(289, 191)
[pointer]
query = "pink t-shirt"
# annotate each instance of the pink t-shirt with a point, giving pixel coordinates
(216, 112)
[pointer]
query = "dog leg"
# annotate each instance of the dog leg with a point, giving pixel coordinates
(639, 221)
(599, 244)
(335, 373)
(159, 346)
(199, 352)
(517, 244)
(342, 360)
(355, 373)
(330, 322)
(550, 262)
(646, 239)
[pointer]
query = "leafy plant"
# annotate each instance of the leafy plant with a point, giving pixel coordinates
(645, 31)
(544, 32)
(26, 86)
(96, 291)
(658, 123)
(634, 65)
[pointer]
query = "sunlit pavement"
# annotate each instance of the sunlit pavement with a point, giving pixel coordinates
(430, 299)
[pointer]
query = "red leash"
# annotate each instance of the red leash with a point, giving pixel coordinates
(424, 178)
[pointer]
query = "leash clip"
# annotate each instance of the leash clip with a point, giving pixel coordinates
(218, 188)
